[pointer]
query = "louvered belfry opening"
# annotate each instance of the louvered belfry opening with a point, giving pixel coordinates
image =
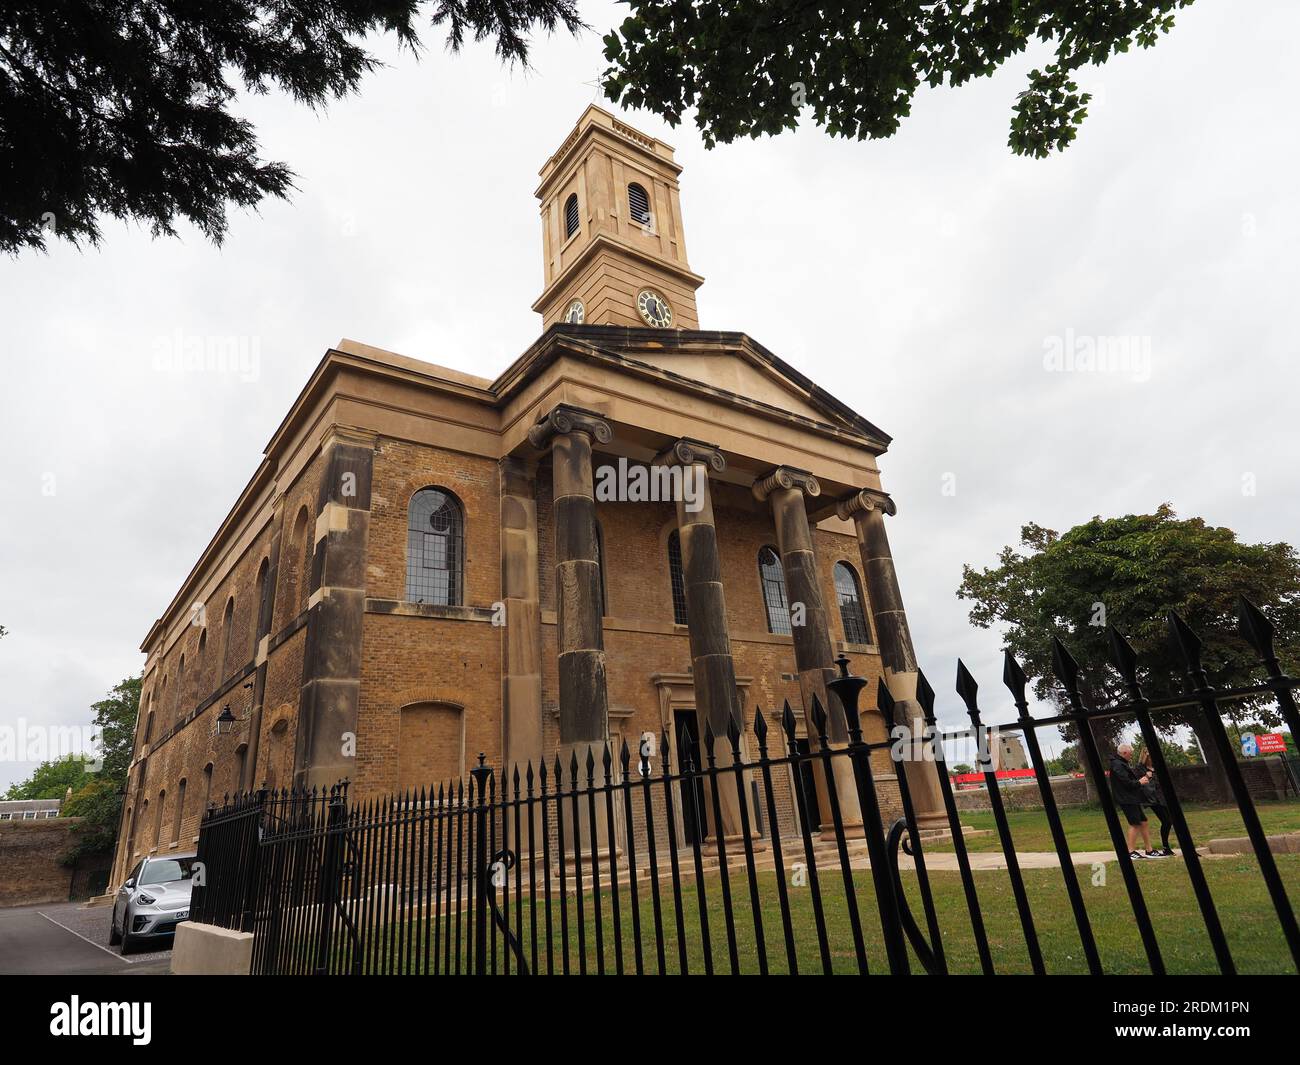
(638, 202)
(570, 216)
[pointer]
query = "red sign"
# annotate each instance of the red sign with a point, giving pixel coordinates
(1272, 743)
(1001, 774)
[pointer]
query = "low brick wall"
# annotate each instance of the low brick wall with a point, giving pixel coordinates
(1266, 779)
(1073, 792)
(30, 867)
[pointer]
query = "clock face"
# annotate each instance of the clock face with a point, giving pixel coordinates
(576, 313)
(654, 308)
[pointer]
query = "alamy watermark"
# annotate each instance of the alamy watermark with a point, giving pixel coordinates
(633, 483)
(51, 743)
(1075, 353)
(178, 352)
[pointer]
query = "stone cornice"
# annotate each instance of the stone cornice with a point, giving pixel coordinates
(863, 501)
(786, 477)
(563, 419)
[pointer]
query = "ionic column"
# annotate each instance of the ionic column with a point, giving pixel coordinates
(868, 508)
(784, 490)
(584, 699)
(717, 701)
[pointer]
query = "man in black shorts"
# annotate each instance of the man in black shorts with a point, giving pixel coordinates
(1126, 783)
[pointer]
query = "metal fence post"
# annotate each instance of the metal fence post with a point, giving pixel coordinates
(329, 878)
(482, 774)
(252, 855)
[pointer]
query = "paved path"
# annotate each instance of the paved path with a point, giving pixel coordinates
(67, 938)
(943, 860)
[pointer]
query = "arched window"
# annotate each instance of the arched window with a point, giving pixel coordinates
(772, 578)
(178, 704)
(435, 537)
(227, 625)
(203, 645)
(241, 756)
(260, 603)
(638, 203)
(180, 811)
(297, 565)
(570, 216)
(148, 722)
(849, 592)
(676, 578)
(600, 565)
(157, 820)
(207, 789)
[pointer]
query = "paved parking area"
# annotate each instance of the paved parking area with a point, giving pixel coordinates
(68, 938)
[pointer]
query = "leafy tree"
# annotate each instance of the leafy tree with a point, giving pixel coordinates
(962, 767)
(121, 108)
(751, 67)
(1175, 753)
(99, 800)
(1066, 762)
(51, 780)
(1130, 572)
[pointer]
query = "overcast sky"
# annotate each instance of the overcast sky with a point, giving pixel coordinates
(921, 279)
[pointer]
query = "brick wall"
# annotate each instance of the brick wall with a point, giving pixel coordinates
(30, 867)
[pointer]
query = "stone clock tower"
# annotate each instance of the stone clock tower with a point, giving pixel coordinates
(612, 231)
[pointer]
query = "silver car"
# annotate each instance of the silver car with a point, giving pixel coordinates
(152, 901)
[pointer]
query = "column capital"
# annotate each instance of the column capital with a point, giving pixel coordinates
(786, 477)
(563, 419)
(686, 452)
(865, 500)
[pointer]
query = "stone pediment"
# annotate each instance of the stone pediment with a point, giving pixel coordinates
(732, 364)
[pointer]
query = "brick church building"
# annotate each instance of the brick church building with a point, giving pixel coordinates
(422, 567)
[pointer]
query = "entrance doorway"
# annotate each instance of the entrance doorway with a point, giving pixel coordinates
(694, 818)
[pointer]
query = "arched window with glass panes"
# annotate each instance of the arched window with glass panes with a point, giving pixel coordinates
(675, 577)
(435, 548)
(853, 613)
(772, 578)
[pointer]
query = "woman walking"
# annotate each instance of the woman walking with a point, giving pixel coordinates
(1152, 796)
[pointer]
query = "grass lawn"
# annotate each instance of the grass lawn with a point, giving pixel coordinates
(1242, 899)
(1085, 826)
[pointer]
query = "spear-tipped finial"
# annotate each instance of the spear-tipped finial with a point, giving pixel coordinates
(819, 717)
(1014, 678)
(760, 726)
(1122, 655)
(624, 756)
(787, 722)
(1187, 642)
(885, 702)
(925, 696)
(968, 689)
(1065, 667)
(733, 732)
(1255, 628)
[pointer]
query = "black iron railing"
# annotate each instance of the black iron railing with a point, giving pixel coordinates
(614, 863)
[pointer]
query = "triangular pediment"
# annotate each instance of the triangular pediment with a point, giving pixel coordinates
(731, 364)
